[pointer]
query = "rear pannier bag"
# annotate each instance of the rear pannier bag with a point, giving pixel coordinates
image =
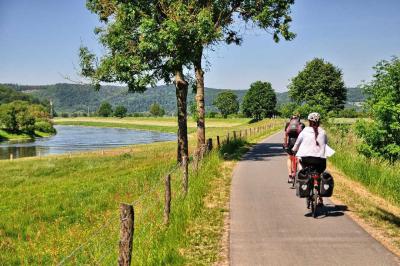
(303, 184)
(327, 184)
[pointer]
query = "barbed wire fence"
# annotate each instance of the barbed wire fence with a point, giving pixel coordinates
(149, 212)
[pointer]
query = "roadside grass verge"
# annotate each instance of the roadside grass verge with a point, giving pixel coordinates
(53, 205)
(369, 187)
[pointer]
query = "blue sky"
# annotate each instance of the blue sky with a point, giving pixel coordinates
(39, 42)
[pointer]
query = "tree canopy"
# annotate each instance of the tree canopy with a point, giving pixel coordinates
(105, 109)
(227, 103)
(382, 135)
(120, 111)
(320, 83)
(260, 101)
(156, 110)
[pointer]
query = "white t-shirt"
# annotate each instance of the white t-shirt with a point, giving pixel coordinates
(305, 144)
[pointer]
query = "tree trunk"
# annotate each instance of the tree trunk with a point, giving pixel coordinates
(201, 128)
(181, 86)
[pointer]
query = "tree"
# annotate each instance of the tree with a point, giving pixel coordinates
(147, 42)
(319, 83)
(287, 109)
(20, 116)
(120, 111)
(381, 137)
(156, 110)
(227, 103)
(218, 24)
(259, 101)
(105, 109)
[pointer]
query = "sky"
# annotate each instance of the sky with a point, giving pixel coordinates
(39, 43)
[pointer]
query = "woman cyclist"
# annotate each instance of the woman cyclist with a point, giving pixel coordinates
(311, 144)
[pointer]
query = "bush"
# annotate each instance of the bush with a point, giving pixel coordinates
(156, 110)
(45, 126)
(382, 136)
(64, 115)
(211, 114)
(120, 111)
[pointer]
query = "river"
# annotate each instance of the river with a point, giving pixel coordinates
(80, 138)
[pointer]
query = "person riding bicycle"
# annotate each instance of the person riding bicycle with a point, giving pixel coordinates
(310, 145)
(292, 131)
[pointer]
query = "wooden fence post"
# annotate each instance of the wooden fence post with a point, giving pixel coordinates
(227, 138)
(218, 142)
(167, 207)
(127, 217)
(234, 135)
(209, 145)
(240, 134)
(185, 174)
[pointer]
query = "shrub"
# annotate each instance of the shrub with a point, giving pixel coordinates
(45, 126)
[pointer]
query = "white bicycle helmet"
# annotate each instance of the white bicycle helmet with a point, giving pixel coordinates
(314, 117)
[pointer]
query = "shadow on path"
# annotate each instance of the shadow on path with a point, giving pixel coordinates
(262, 151)
(330, 210)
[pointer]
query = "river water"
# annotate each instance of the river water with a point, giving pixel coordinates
(79, 138)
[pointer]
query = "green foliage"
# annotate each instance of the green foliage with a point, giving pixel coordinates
(382, 135)
(156, 110)
(45, 126)
(319, 83)
(105, 109)
(260, 101)
(18, 116)
(227, 103)
(193, 111)
(287, 109)
(120, 111)
(7, 95)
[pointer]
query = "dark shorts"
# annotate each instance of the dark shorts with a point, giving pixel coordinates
(317, 163)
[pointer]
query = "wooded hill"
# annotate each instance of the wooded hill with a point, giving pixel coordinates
(78, 98)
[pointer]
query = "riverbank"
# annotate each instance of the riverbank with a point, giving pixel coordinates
(8, 136)
(52, 205)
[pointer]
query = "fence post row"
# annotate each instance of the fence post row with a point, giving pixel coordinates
(185, 174)
(127, 217)
(218, 142)
(167, 207)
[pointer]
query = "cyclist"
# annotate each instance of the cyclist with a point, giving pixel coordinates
(310, 146)
(292, 131)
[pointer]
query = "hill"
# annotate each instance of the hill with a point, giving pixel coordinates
(8, 95)
(79, 98)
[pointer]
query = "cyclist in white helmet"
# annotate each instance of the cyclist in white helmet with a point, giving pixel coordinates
(310, 145)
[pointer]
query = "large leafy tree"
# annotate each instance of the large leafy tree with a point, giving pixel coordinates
(120, 111)
(222, 17)
(382, 135)
(147, 42)
(227, 103)
(259, 101)
(320, 83)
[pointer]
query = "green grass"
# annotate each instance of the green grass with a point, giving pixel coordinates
(167, 129)
(51, 205)
(378, 176)
(6, 135)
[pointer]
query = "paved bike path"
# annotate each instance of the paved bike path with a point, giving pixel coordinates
(269, 225)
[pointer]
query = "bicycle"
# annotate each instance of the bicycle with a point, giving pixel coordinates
(314, 196)
(294, 162)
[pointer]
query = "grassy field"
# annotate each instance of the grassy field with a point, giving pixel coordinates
(161, 124)
(57, 205)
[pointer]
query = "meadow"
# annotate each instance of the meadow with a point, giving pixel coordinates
(65, 208)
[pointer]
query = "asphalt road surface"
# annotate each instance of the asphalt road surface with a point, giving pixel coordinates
(271, 226)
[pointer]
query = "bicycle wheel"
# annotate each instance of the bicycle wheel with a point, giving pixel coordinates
(314, 203)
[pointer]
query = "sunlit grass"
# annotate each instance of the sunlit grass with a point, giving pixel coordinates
(52, 205)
